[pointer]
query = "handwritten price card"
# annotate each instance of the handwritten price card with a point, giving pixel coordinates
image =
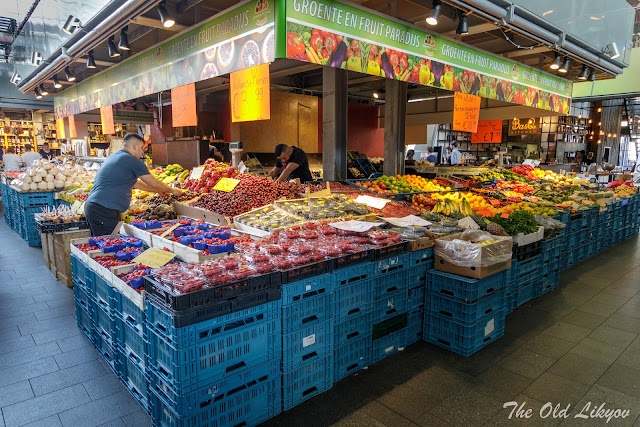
(250, 94)
(106, 118)
(196, 172)
(466, 112)
(226, 184)
(183, 105)
(488, 131)
(154, 258)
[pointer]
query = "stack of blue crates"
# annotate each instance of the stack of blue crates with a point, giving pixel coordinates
(307, 339)
(419, 263)
(524, 279)
(551, 255)
(463, 314)
(19, 209)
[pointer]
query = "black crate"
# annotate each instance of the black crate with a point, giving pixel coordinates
(522, 253)
(221, 308)
(352, 259)
(56, 227)
(213, 295)
(306, 271)
(389, 251)
(390, 326)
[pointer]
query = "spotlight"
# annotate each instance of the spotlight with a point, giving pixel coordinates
(599, 109)
(612, 50)
(375, 95)
(565, 66)
(91, 62)
(599, 141)
(69, 75)
(123, 44)
(16, 79)
(165, 17)
(71, 25)
(584, 73)
(463, 23)
(113, 51)
(625, 122)
(435, 13)
(36, 58)
(43, 91)
(592, 78)
(56, 83)
(556, 62)
(38, 94)
(609, 135)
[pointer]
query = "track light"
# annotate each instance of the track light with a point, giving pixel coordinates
(463, 23)
(565, 66)
(69, 75)
(38, 94)
(592, 78)
(584, 73)
(435, 13)
(612, 50)
(113, 50)
(71, 25)
(36, 58)
(123, 44)
(624, 123)
(43, 91)
(599, 108)
(91, 62)
(556, 62)
(16, 79)
(56, 82)
(165, 17)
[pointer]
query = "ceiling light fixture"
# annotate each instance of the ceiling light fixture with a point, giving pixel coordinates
(113, 50)
(43, 91)
(557, 61)
(584, 73)
(38, 94)
(165, 17)
(599, 110)
(592, 78)
(565, 66)
(56, 82)
(375, 95)
(69, 75)
(123, 44)
(435, 12)
(36, 58)
(463, 24)
(91, 62)
(71, 25)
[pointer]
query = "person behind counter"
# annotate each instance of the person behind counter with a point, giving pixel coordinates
(431, 156)
(215, 153)
(111, 192)
(410, 154)
(291, 163)
(11, 160)
(580, 156)
(29, 156)
(456, 155)
(589, 160)
(45, 151)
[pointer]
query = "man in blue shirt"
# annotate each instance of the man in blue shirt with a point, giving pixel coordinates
(111, 193)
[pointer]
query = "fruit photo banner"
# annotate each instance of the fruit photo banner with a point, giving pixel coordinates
(346, 36)
(237, 38)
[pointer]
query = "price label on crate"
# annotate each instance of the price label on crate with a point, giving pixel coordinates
(226, 184)
(154, 258)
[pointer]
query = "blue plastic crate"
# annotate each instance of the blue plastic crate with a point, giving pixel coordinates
(136, 380)
(246, 398)
(421, 257)
(390, 305)
(104, 325)
(83, 299)
(417, 276)
(388, 345)
(187, 357)
(464, 339)
(131, 340)
(353, 299)
(510, 300)
(102, 292)
(391, 264)
(351, 357)
(306, 381)
(464, 288)
(82, 275)
(465, 313)
(129, 312)
(85, 322)
(348, 275)
(306, 344)
(35, 199)
(527, 291)
(578, 224)
(415, 297)
(353, 328)
(306, 302)
(524, 271)
(110, 354)
(549, 281)
(572, 240)
(389, 283)
(414, 331)
(551, 248)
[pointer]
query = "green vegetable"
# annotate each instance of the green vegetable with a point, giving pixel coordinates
(518, 222)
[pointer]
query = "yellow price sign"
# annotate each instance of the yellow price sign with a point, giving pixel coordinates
(154, 257)
(226, 184)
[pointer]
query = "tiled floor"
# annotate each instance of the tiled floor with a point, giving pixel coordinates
(576, 346)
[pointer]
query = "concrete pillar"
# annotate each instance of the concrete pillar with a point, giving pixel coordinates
(395, 115)
(334, 124)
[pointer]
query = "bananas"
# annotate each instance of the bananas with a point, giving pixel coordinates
(450, 207)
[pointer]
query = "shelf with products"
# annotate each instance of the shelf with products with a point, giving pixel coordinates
(95, 134)
(475, 152)
(562, 137)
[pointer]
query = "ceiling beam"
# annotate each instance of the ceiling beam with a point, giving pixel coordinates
(294, 70)
(185, 5)
(526, 52)
(156, 23)
(98, 62)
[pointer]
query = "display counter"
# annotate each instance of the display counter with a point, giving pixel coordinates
(186, 152)
(558, 168)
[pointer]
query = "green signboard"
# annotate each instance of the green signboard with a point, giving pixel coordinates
(346, 36)
(238, 38)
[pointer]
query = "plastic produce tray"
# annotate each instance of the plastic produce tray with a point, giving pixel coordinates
(389, 283)
(415, 297)
(55, 227)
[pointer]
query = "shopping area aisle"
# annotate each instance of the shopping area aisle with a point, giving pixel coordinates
(50, 374)
(577, 344)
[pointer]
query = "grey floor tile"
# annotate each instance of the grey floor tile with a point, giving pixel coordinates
(76, 357)
(10, 332)
(98, 388)
(611, 299)
(430, 420)
(359, 418)
(549, 345)
(630, 358)
(61, 303)
(55, 334)
(599, 308)
(26, 371)
(137, 419)
(556, 389)
(469, 408)
(500, 384)
(67, 321)
(99, 411)
(623, 379)
(438, 383)
(15, 393)
(630, 309)
(582, 319)
(622, 322)
(74, 343)
(25, 309)
(596, 350)
(54, 313)
(612, 336)
(14, 344)
(526, 363)
(13, 300)
(579, 369)
(52, 421)
(567, 332)
(621, 290)
(114, 423)
(407, 402)
(55, 296)
(382, 414)
(20, 357)
(43, 406)
(612, 399)
(19, 319)
(67, 377)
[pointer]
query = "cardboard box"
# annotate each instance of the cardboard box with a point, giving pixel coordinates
(441, 264)
(420, 243)
(485, 257)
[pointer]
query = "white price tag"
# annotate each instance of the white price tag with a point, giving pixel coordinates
(528, 162)
(356, 226)
(490, 327)
(242, 168)
(374, 202)
(77, 207)
(408, 221)
(310, 340)
(468, 223)
(197, 172)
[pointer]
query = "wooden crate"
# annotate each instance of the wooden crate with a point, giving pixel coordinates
(62, 253)
(48, 252)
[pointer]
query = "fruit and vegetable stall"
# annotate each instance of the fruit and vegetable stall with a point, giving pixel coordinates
(268, 293)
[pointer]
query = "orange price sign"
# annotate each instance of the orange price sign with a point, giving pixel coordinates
(73, 133)
(183, 105)
(488, 131)
(106, 117)
(60, 129)
(250, 94)
(466, 112)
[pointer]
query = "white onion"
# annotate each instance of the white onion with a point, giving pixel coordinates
(42, 172)
(21, 176)
(42, 185)
(54, 170)
(49, 178)
(58, 184)
(36, 163)
(60, 177)
(25, 187)
(33, 186)
(36, 179)
(32, 172)
(50, 185)
(27, 179)
(68, 171)
(46, 165)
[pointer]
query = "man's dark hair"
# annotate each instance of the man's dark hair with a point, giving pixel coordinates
(131, 136)
(280, 148)
(11, 150)
(46, 143)
(454, 144)
(27, 147)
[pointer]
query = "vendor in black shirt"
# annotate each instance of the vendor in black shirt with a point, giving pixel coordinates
(291, 163)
